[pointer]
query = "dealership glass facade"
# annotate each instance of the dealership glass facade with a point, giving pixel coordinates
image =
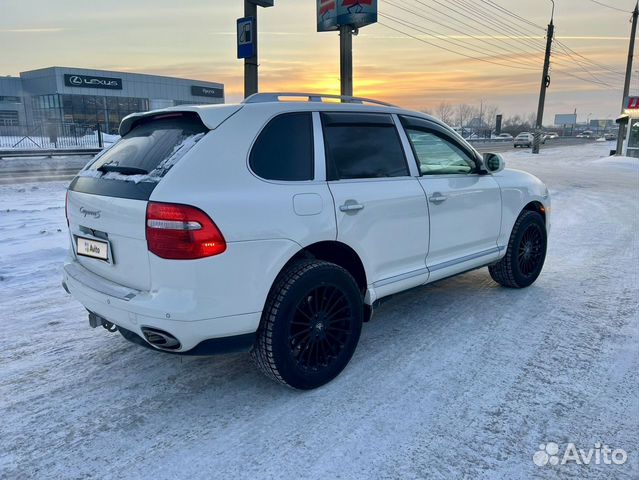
(86, 110)
(69, 98)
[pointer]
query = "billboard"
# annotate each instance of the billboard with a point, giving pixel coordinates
(632, 103)
(566, 119)
(602, 124)
(331, 14)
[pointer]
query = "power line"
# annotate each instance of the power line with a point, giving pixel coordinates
(592, 75)
(512, 14)
(591, 62)
(569, 57)
(596, 82)
(479, 59)
(497, 22)
(581, 64)
(500, 48)
(610, 6)
(517, 49)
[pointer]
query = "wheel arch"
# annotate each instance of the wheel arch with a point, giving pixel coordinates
(335, 252)
(535, 206)
(330, 251)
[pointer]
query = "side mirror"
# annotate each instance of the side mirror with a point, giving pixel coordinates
(494, 162)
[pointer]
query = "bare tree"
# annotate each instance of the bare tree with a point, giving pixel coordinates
(517, 124)
(445, 112)
(464, 114)
(490, 116)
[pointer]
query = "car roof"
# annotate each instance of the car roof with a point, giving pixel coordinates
(213, 115)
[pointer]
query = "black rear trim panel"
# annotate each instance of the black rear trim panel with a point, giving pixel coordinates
(212, 346)
(113, 188)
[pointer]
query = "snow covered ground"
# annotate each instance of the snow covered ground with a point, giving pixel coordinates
(459, 379)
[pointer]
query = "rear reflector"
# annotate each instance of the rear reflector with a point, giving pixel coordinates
(181, 232)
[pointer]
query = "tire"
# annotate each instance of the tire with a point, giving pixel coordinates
(526, 252)
(310, 325)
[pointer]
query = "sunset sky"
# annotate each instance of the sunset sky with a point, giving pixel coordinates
(196, 39)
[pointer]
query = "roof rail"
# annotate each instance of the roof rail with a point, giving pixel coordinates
(310, 97)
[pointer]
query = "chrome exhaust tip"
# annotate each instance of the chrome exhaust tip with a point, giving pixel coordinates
(160, 339)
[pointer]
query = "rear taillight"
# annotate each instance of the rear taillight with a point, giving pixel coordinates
(181, 232)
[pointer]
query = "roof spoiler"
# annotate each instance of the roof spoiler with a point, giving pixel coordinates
(210, 117)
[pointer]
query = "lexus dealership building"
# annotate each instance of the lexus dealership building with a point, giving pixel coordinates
(80, 96)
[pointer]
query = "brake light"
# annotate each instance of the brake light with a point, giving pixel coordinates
(181, 232)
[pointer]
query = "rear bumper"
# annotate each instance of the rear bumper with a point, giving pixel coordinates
(132, 309)
(211, 346)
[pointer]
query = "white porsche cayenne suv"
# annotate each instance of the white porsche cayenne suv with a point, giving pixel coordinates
(275, 226)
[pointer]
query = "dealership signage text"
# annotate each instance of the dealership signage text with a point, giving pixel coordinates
(90, 81)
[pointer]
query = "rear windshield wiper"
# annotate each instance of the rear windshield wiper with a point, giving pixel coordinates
(122, 169)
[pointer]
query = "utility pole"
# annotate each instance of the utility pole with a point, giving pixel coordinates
(345, 17)
(626, 86)
(545, 82)
(250, 63)
(346, 59)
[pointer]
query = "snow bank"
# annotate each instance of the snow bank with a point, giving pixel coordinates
(459, 379)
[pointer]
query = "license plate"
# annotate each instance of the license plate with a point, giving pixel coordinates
(88, 247)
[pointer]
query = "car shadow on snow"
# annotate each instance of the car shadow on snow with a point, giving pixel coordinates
(433, 313)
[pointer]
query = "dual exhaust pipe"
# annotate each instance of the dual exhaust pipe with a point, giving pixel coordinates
(156, 337)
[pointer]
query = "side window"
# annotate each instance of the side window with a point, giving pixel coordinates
(436, 153)
(284, 149)
(362, 145)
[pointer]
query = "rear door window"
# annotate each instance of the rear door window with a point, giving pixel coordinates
(150, 149)
(362, 145)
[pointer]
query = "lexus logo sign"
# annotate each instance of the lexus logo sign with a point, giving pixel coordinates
(90, 81)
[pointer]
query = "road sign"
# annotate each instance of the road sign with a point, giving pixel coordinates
(246, 33)
(331, 14)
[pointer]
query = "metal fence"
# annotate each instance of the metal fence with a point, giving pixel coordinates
(47, 136)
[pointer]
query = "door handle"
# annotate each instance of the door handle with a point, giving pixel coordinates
(437, 198)
(351, 207)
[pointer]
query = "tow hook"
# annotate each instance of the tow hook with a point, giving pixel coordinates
(96, 321)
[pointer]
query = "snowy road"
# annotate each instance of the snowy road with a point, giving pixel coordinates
(460, 379)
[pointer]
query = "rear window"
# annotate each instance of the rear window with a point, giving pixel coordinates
(150, 149)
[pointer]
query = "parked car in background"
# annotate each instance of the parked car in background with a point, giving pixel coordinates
(504, 136)
(610, 136)
(276, 227)
(586, 134)
(551, 136)
(524, 140)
